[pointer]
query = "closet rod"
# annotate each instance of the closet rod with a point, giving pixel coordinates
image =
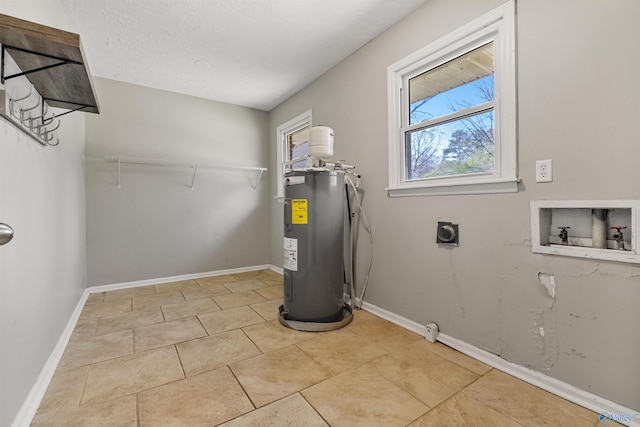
(178, 163)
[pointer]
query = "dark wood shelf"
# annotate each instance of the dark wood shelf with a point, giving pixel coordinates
(67, 85)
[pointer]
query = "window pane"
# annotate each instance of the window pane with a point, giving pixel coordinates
(463, 146)
(297, 146)
(460, 83)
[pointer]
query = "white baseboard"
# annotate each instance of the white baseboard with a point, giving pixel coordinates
(571, 393)
(32, 402)
(34, 398)
(276, 269)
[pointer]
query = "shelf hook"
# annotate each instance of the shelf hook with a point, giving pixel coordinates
(50, 139)
(48, 120)
(32, 119)
(13, 101)
(23, 110)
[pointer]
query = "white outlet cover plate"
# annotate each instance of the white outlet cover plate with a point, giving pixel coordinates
(544, 170)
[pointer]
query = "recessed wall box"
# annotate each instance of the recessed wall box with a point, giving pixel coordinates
(598, 229)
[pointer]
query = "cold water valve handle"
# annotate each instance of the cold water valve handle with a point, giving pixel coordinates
(618, 237)
(564, 235)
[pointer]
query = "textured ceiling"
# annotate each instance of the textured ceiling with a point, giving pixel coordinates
(253, 53)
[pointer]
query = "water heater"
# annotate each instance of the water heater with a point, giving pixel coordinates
(313, 250)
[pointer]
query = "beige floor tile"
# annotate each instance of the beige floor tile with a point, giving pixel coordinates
(62, 396)
(177, 286)
(245, 285)
(208, 353)
(130, 320)
(203, 400)
(459, 358)
(425, 375)
(271, 335)
(226, 320)
(147, 301)
(95, 297)
(268, 309)
(256, 274)
(205, 291)
(527, 404)
(129, 293)
(363, 398)
(126, 375)
(162, 334)
(237, 299)
(291, 411)
(272, 292)
(216, 280)
(121, 412)
(189, 308)
(87, 350)
(608, 421)
(274, 280)
(381, 371)
(274, 375)
(383, 332)
(270, 274)
(461, 410)
(106, 308)
(360, 316)
(85, 328)
(341, 350)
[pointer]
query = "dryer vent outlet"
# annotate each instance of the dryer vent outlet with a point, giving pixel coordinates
(447, 233)
(431, 332)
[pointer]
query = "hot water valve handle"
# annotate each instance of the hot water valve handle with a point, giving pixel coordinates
(618, 237)
(564, 235)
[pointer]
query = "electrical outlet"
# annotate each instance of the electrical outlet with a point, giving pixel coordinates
(431, 332)
(544, 170)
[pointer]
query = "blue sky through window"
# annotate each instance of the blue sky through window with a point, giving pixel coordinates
(431, 148)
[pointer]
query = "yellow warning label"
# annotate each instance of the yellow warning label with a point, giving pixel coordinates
(299, 213)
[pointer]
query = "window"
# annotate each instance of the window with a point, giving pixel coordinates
(297, 146)
(293, 143)
(452, 118)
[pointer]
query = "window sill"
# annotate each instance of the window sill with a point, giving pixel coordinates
(443, 189)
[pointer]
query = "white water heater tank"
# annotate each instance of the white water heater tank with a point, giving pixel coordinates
(321, 142)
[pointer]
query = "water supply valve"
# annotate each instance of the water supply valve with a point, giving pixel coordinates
(564, 235)
(619, 237)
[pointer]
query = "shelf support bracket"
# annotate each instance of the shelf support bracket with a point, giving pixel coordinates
(79, 107)
(193, 179)
(258, 180)
(119, 175)
(63, 61)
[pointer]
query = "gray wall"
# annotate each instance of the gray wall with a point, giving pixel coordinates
(43, 269)
(155, 226)
(579, 105)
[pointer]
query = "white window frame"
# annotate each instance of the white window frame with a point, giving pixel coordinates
(499, 26)
(293, 125)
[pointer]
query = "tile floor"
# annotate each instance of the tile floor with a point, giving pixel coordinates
(211, 351)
